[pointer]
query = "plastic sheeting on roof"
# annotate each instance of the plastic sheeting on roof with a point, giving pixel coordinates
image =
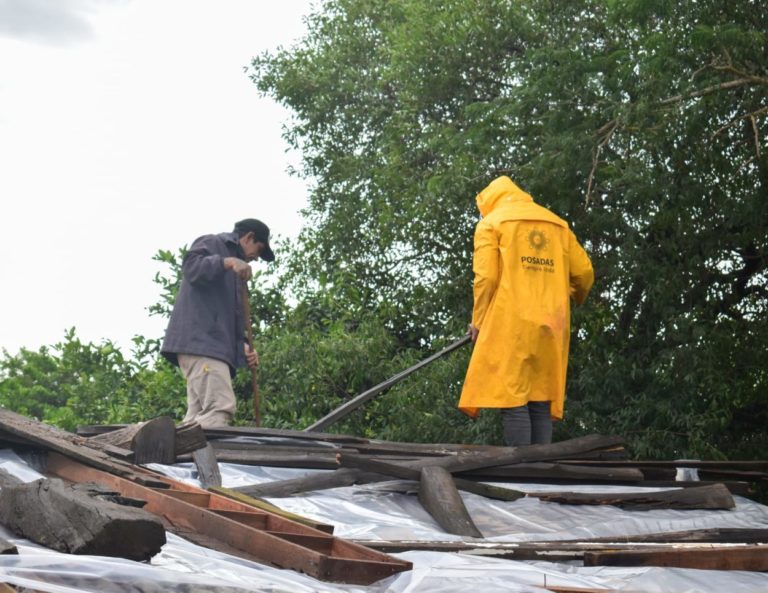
(370, 512)
(373, 513)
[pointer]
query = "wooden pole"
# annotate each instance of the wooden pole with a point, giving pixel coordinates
(246, 304)
(359, 400)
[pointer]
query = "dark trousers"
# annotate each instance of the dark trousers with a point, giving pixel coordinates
(530, 424)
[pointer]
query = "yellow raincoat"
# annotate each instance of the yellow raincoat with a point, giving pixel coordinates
(528, 265)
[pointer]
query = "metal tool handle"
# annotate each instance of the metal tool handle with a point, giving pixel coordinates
(359, 400)
(246, 304)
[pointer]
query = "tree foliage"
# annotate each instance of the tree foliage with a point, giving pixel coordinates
(642, 123)
(73, 383)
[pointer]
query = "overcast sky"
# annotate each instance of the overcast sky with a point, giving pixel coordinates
(126, 127)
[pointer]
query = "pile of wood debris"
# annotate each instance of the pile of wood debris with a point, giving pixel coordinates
(108, 464)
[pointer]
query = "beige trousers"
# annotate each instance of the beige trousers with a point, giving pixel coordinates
(210, 397)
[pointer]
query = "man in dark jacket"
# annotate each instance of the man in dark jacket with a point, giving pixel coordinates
(206, 333)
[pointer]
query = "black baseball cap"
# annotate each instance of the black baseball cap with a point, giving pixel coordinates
(260, 233)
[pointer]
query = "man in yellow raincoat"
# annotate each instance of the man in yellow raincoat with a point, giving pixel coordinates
(528, 265)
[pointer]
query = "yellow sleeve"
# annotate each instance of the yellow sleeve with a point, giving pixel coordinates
(486, 266)
(581, 273)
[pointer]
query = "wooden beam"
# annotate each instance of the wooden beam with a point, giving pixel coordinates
(210, 517)
(746, 465)
(562, 551)
(272, 456)
(558, 471)
(375, 447)
(413, 472)
(530, 453)
(79, 520)
(189, 437)
(308, 483)
(155, 442)
(266, 506)
(252, 431)
(720, 535)
(33, 432)
(750, 557)
(152, 441)
(740, 488)
(241, 431)
(715, 496)
(207, 466)
(439, 496)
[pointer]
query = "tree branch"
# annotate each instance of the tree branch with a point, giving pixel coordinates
(608, 130)
(731, 84)
(736, 120)
(757, 136)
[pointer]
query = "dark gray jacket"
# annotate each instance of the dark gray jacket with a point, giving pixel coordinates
(207, 318)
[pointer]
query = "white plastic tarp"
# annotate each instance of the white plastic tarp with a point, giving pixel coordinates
(373, 513)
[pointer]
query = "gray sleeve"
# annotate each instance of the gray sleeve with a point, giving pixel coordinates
(201, 263)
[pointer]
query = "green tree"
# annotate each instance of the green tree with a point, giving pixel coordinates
(642, 123)
(73, 383)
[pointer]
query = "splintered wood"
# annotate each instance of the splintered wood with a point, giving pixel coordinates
(78, 520)
(436, 473)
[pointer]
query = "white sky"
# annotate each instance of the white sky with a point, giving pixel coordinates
(126, 127)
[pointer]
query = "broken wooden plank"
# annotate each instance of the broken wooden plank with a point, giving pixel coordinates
(439, 496)
(30, 431)
(78, 521)
(558, 472)
(549, 551)
(668, 471)
(726, 474)
(152, 441)
(308, 483)
(715, 496)
(241, 431)
(532, 453)
(122, 437)
(207, 466)
(610, 446)
(403, 486)
(749, 557)
(218, 520)
(378, 447)
(413, 472)
(155, 442)
(272, 456)
(526, 454)
(722, 535)
(266, 506)
(189, 437)
(305, 442)
(251, 431)
(740, 488)
(508, 456)
(618, 453)
(746, 465)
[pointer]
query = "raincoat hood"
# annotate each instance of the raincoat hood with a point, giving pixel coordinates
(499, 191)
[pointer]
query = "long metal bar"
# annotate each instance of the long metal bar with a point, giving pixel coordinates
(359, 400)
